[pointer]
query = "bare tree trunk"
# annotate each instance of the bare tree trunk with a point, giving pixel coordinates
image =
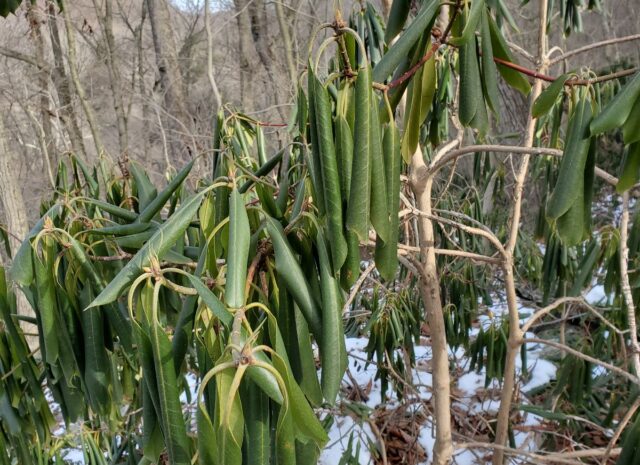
(515, 332)
(36, 18)
(115, 81)
(212, 79)
(287, 45)
(142, 88)
(245, 45)
(626, 286)
(170, 81)
(61, 82)
(77, 84)
(16, 215)
(260, 35)
(430, 292)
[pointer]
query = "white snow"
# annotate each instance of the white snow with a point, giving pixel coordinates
(597, 296)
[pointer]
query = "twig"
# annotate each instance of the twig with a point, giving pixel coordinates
(475, 257)
(561, 457)
(440, 39)
(468, 229)
(383, 447)
(625, 285)
(619, 429)
(569, 83)
(588, 358)
(439, 163)
(586, 48)
(356, 287)
(515, 332)
(481, 229)
(568, 300)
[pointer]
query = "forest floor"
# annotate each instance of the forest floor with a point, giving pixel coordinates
(406, 426)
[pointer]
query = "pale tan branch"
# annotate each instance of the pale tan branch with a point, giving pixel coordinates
(626, 286)
(481, 230)
(623, 423)
(438, 163)
(9, 53)
(356, 287)
(405, 249)
(588, 358)
(586, 48)
(468, 229)
(553, 457)
(538, 458)
(515, 332)
(568, 300)
(475, 257)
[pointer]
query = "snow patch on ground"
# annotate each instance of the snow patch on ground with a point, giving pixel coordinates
(471, 392)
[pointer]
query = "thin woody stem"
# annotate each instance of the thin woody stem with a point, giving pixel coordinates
(440, 39)
(588, 358)
(515, 331)
(625, 285)
(570, 82)
(586, 48)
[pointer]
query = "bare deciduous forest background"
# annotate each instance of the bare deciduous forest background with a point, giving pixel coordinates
(133, 79)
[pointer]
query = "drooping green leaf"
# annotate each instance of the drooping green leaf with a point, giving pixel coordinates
(308, 380)
(8, 6)
(501, 50)
(379, 209)
(548, 97)
(386, 254)
(618, 110)
(239, 236)
(631, 446)
(631, 127)
(489, 72)
(96, 362)
(170, 411)
(306, 424)
(22, 267)
(47, 304)
(344, 153)
(313, 161)
(630, 173)
(471, 23)
(155, 205)
(207, 440)
(289, 269)
(571, 175)
(329, 167)
(332, 351)
(397, 17)
(257, 419)
(159, 244)
(145, 190)
(399, 51)
(470, 84)
(351, 269)
(419, 99)
(359, 196)
(230, 420)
